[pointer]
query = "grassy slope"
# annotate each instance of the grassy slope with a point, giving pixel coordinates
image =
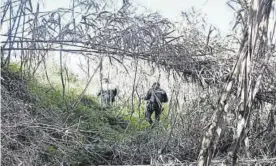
(91, 130)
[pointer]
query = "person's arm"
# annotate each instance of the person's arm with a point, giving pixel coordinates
(99, 93)
(147, 97)
(165, 97)
(115, 92)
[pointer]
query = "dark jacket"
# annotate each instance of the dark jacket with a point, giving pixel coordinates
(156, 96)
(109, 95)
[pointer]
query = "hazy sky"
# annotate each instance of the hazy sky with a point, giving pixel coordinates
(217, 12)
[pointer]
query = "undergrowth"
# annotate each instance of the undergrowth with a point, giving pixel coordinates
(72, 127)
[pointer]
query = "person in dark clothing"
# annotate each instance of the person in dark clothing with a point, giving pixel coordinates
(155, 97)
(107, 93)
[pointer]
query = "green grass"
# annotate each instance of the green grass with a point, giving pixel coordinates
(104, 122)
(106, 126)
(88, 110)
(137, 118)
(13, 67)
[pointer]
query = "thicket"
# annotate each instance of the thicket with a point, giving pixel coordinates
(40, 126)
(232, 118)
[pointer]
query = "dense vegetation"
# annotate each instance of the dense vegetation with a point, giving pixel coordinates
(69, 128)
(48, 117)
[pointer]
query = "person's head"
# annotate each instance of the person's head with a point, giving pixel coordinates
(106, 80)
(156, 85)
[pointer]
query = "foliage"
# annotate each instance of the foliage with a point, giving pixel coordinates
(14, 67)
(43, 124)
(58, 124)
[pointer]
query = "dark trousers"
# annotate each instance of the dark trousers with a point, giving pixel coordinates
(153, 108)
